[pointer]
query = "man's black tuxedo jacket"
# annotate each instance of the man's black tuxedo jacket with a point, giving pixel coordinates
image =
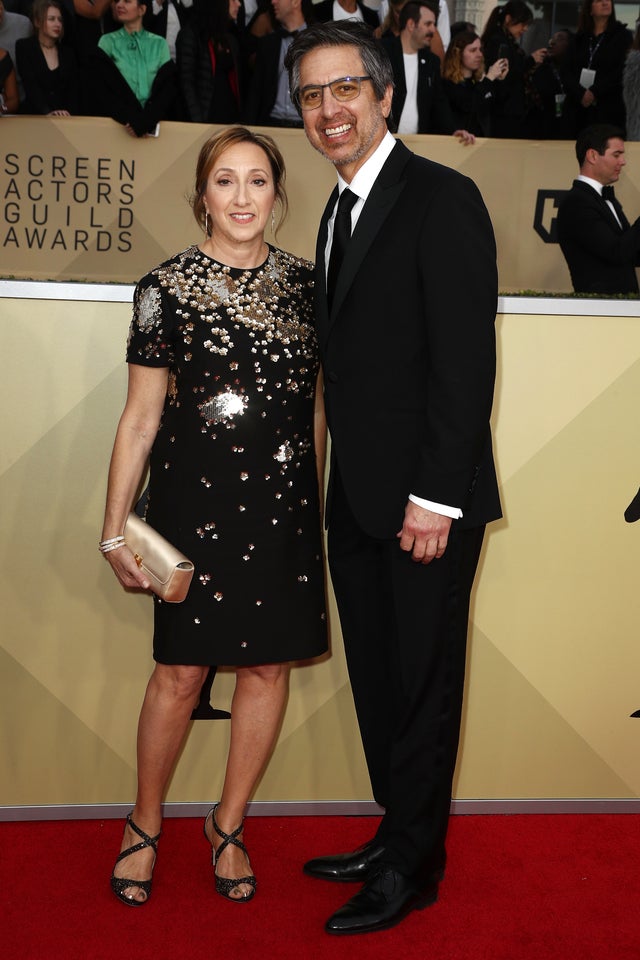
(323, 12)
(408, 349)
(600, 254)
(434, 112)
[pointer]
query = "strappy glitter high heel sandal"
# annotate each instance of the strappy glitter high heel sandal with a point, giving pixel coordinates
(120, 884)
(224, 885)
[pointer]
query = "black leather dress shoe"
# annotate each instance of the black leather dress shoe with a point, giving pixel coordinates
(386, 899)
(356, 865)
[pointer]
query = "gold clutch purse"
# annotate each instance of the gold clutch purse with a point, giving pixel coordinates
(168, 570)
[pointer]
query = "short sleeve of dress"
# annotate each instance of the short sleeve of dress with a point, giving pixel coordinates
(150, 341)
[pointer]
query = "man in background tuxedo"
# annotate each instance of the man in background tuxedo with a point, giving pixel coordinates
(166, 18)
(345, 10)
(601, 248)
(419, 103)
(405, 309)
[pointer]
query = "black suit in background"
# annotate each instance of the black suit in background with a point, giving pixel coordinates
(434, 112)
(323, 13)
(601, 254)
(408, 352)
(157, 22)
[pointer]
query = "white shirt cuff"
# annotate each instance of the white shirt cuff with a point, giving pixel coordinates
(454, 512)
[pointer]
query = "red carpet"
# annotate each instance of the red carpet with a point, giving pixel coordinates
(517, 888)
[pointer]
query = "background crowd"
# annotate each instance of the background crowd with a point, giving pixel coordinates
(222, 61)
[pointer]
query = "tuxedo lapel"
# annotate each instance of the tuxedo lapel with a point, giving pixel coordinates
(599, 201)
(379, 204)
(619, 224)
(623, 220)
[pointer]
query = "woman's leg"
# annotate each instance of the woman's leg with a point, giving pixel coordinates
(172, 693)
(256, 712)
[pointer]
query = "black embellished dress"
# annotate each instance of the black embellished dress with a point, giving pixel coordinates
(233, 479)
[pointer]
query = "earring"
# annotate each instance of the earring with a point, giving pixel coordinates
(273, 221)
(206, 224)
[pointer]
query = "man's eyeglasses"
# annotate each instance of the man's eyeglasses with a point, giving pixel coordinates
(343, 90)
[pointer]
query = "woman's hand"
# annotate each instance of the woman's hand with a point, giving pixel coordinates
(124, 565)
(498, 70)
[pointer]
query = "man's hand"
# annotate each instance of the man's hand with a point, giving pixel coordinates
(424, 534)
(466, 138)
(540, 55)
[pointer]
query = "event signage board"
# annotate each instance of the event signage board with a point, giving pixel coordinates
(82, 200)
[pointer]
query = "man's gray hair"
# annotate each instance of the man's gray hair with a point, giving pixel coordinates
(343, 33)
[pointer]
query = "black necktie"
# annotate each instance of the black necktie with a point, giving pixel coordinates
(341, 237)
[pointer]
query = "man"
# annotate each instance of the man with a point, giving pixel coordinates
(269, 103)
(406, 332)
(600, 247)
(166, 18)
(419, 103)
(345, 10)
(554, 106)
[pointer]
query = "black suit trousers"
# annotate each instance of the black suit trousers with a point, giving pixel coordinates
(404, 626)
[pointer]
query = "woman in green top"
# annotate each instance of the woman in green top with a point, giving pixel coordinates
(135, 75)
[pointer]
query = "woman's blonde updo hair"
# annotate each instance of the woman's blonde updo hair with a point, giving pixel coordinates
(211, 153)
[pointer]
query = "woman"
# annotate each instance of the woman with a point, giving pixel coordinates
(390, 25)
(222, 395)
(49, 71)
(8, 84)
(596, 62)
(208, 63)
(134, 73)
(469, 90)
(631, 87)
(501, 40)
(554, 106)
